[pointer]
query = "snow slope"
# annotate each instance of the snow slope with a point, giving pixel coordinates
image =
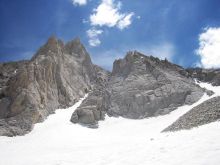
(117, 141)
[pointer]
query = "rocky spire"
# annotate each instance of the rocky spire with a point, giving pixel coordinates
(56, 77)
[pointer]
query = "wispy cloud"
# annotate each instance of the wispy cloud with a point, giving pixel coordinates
(79, 2)
(93, 35)
(209, 48)
(125, 22)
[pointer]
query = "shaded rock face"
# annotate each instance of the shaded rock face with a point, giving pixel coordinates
(56, 77)
(7, 71)
(142, 86)
(205, 75)
(90, 112)
(204, 113)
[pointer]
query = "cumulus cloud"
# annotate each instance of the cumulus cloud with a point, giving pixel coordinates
(209, 48)
(93, 35)
(79, 2)
(108, 14)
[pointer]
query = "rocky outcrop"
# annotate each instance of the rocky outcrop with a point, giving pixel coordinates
(205, 75)
(204, 113)
(7, 71)
(59, 74)
(56, 77)
(142, 86)
(90, 112)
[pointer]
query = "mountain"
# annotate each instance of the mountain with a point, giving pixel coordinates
(116, 141)
(139, 87)
(57, 76)
(60, 74)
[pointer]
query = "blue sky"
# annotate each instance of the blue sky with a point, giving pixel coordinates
(109, 28)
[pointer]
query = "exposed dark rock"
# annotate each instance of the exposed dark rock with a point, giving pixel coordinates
(7, 71)
(56, 77)
(204, 113)
(142, 86)
(205, 75)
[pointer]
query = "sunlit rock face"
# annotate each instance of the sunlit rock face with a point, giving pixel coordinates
(56, 77)
(142, 86)
(60, 74)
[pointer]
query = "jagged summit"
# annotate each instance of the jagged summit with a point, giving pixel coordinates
(134, 61)
(134, 56)
(140, 86)
(59, 74)
(56, 77)
(55, 46)
(143, 86)
(75, 47)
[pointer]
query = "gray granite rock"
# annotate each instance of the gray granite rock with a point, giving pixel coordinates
(7, 72)
(142, 86)
(204, 113)
(56, 77)
(59, 74)
(90, 112)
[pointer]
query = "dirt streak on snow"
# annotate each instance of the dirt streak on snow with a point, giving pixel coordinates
(117, 141)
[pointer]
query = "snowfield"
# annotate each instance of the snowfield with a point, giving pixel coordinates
(117, 141)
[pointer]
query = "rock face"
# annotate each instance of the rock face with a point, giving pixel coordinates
(206, 112)
(206, 75)
(59, 74)
(90, 112)
(7, 71)
(56, 77)
(142, 86)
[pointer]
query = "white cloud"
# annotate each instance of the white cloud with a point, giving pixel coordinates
(108, 14)
(93, 35)
(209, 48)
(125, 22)
(138, 17)
(79, 2)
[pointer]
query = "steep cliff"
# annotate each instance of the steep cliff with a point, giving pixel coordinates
(56, 77)
(138, 87)
(142, 86)
(90, 111)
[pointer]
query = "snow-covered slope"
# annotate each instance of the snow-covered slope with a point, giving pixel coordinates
(117, 141)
